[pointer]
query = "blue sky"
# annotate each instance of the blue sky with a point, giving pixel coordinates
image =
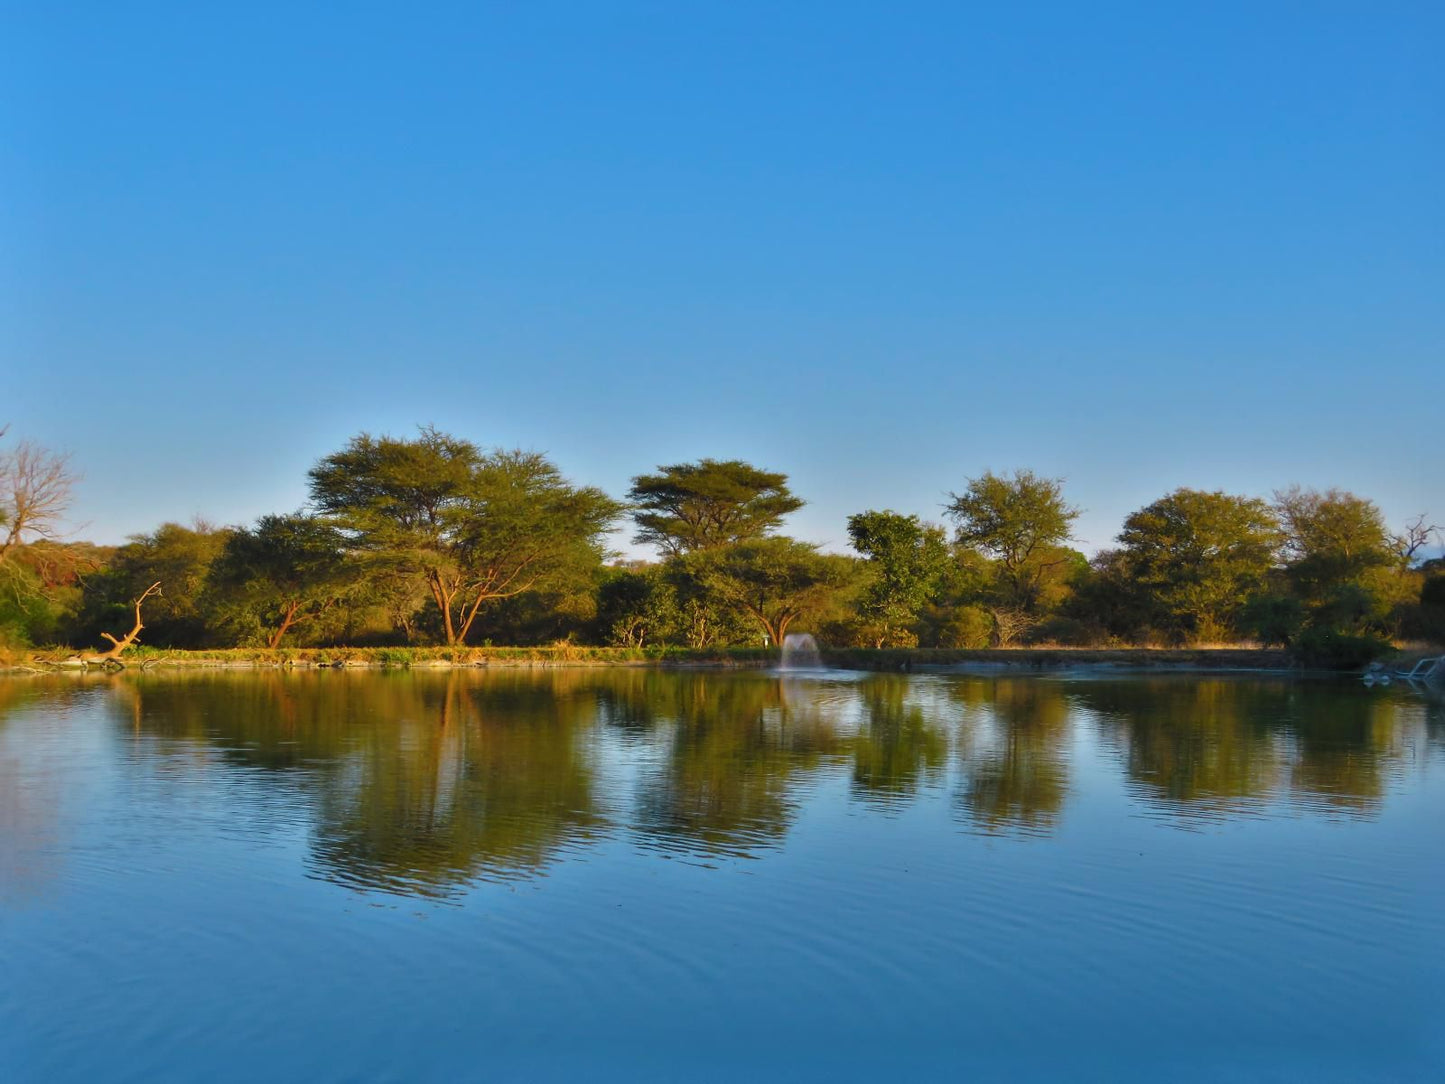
(880, 247)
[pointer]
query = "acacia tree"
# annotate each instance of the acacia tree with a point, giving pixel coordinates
(285, 571)
(709, 504)
(636, 606)
(1199, 555)
(1021, 521)
(775, 581)
(908, 560)
(472, 526)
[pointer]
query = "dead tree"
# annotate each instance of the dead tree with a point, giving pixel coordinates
(35, 491)
(1010, 623)
(1417, 536)
(113, 655)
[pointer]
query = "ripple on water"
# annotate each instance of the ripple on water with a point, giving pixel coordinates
(714, 863)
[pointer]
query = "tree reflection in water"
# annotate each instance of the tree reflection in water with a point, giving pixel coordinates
(480, 783)
(418, 782)
(730, 746)
(902, 744)
(1188, 745)
(1212, 746)
(424, 782)
(1013, 754)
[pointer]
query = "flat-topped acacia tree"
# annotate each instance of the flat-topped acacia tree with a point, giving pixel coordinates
(472, 525)
(709, 504)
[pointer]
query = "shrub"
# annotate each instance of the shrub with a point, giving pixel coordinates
(1068, 632)
(1273, 619)
(968, 628)
(1334, 650)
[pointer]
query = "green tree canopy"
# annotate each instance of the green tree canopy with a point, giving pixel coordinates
(285, 571)
(472, 525)
(1332, 538)
(636, 607)
(1009, 517)
(1110, 599)
(1341, 561)
(178, 557)
(708, 504)
(1020, 523)
(1199, 555)
(908, 560)
(775, 581)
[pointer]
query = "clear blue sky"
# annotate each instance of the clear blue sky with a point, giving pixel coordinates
(882, 247)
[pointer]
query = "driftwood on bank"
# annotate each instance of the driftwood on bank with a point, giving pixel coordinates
(119, 645)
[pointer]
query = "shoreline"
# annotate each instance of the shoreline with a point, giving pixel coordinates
(906, 660)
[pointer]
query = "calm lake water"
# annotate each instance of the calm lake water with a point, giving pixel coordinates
(637, 874)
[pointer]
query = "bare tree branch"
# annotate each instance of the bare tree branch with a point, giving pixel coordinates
(130, 637)
(1417, 536)
(35, 492)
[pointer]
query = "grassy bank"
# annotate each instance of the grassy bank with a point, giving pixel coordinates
(361, 657)
(1223, 658)
(1053, 658)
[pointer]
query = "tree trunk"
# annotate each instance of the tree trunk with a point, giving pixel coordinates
(130, 637)
(770, 630)
(287, 620)
(443, 599)
(472, 615)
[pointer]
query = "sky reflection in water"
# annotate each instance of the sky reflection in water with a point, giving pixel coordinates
(621, 872)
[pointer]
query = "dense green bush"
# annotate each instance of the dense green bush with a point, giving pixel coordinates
(1068, 631)
(1332, 650)
(1273, 619)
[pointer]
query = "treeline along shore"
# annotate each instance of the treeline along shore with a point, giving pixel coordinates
(432, 548)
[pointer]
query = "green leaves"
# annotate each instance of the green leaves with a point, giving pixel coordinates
(1333, 539)
(1201, 554)
(708, 504)
(396, 494)
(907, 559)
(286, 570)
(471, 525)
(1021, 521)
(775, 580)
(1010, 517)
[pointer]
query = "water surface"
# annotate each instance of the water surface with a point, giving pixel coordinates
(640, 874)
